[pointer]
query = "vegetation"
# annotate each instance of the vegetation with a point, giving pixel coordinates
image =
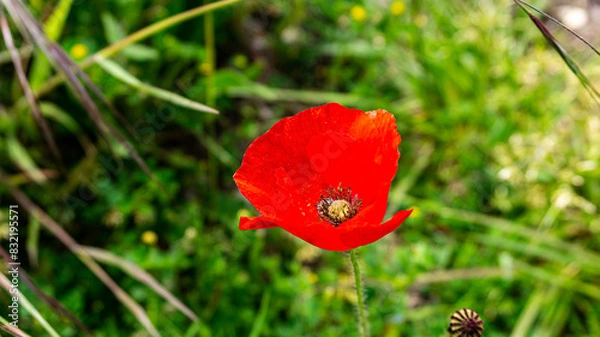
(500, 162)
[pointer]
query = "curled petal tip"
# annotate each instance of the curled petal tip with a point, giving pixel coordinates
(256, 222)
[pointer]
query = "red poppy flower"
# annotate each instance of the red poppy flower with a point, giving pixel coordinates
(324, 176)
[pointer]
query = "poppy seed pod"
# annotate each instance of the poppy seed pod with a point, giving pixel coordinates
(466, 323)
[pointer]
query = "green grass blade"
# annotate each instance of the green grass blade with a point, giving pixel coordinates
(56, 22)
(161, 26)
(506, 226)
(398, 192)
(53, 27)
(56, 306)
(24, 53)
(529, 314)
(20, 157)
(29, 96)
(579, 37)
(63, 64)
(114, 32)
(141, 275)
(567, 282)
(561, 51)
(13, 331)
(531, 249)
(270, 94)
(198, 329)
(135, 37)
(56, 113)
(51, 225)
(262, 315)
(121, 74)
(5, 283)
(33, 241)
(217, 150)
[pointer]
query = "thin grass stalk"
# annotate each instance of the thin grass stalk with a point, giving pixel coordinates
(549, 17)
(62, 63)
(11, 330)
(122, 75)
(209, 46)
(24, 53)
(141, 34)
(505, 226)
(53, 27)
(141, 275)
(259, 321)
(6, 284)
(560, 49)
(50, 301)
(89, 262)
(529, 314)
(28, 93)
(270, 94)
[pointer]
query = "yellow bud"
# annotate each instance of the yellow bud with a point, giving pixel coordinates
(205, 68)
(397, 8)
(358, 13)
(149, 238)
(79, 51)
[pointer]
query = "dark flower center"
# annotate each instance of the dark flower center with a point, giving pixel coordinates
(338, 205)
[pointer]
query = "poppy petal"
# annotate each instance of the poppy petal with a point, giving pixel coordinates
(364, 235)
(256, 222)
(287, 172)
(283, 146)
(360, 166)
(325, 236)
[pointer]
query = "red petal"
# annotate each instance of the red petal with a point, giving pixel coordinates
(257, 222)
(317, 149)
(364, 235)
(323, 235)
(361, 230)
(285, 171)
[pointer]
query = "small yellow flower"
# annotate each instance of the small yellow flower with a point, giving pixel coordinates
(397, 8)
(149, 238)
(205, 68)
(358, 13)
(79, 51)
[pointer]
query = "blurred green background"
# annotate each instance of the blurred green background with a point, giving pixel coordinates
(500, 161)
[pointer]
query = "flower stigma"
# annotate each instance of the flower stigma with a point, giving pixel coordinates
(338, 205)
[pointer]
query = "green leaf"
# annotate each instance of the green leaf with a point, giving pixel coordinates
(33, 238)
(113, 32)
(139, 52)
(20, 157)
(53, 27)
(53, 111)
(121, 74)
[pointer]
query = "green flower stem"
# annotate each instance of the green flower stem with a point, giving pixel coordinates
(362, 310)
